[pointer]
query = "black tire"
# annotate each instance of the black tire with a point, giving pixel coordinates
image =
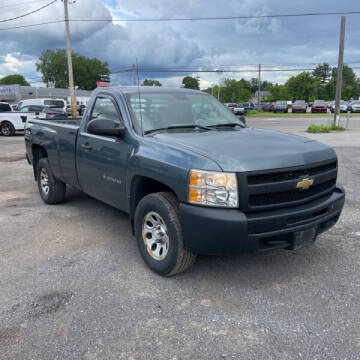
(55, 193)
(177, 258)
(7, 129)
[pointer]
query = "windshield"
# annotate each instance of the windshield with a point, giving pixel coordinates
(56, 103)
(319, 102)
(299, 102)
(163, 110)
(281, 103)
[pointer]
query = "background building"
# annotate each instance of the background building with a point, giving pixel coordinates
(14, 93)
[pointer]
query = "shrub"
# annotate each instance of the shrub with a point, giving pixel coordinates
(314, 128)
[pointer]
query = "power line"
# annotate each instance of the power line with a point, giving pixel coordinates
(182, 70)
(29, 13)
(188, 19)
(32, 25)
(21, 3)
(222, 17)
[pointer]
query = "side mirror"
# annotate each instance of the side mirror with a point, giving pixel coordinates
(242, 118)
(104, 127)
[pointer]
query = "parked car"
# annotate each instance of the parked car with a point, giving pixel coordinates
(12, 121)
(299, 106)
(5, 107)
(58, 103)
(343, 106)
(354, 106)
(239, 109)
(80, 109)
(281, 106)
(52, 113)
(194, 179)
(319, 106)
(269, 106)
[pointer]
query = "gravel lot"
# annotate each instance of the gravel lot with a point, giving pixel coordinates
(73, 284)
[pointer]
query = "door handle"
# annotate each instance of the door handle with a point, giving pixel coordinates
(86, 146)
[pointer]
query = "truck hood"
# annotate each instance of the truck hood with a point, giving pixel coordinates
(250, 149)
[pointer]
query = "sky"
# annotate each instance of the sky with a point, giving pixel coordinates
(274, 43)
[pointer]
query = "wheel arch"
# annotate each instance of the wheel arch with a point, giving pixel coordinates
(140, 186)
(38, 152)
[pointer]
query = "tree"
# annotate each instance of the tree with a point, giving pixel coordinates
(14, 79)
(350, 86)
(279, 92)
(150, 82)
(323, 72)
(190, 83)
(53, 66)
(302, 87)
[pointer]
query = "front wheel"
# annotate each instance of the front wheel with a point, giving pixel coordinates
(52, 190)
(159, 235)
(7, 129)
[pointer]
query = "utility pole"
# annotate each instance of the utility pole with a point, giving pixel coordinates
(134, 74)
(70, 69)
(259, 87)
(339, 71)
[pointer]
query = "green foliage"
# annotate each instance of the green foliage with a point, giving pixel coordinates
(323, 72)
(53, 66)
(232, 90)
(279, 92)
(191, 83)
(308, 86)
(150, 82)
(14, 79)
(315, 128)
(302, 87)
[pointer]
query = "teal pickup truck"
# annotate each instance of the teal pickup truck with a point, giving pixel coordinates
(193, 177)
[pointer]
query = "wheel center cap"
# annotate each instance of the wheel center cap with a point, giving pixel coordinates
(158, 232)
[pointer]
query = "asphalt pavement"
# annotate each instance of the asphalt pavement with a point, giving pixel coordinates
(73, 284)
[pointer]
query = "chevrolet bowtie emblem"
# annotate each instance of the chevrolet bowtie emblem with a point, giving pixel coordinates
(304, 183)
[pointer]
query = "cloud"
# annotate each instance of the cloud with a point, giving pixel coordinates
(184, 43)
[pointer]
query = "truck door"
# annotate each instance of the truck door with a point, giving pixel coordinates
(101, 160)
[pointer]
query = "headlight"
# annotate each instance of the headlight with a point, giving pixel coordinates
(212, 188)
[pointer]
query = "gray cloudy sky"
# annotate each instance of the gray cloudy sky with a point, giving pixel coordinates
(206, 44)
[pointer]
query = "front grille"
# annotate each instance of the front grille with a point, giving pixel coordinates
(292, 195)
(278, 188)
(288, 175)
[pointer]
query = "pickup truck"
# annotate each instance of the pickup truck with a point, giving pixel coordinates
(12, 121)
(193, 177)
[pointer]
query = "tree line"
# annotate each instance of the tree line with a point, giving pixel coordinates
(308, 86)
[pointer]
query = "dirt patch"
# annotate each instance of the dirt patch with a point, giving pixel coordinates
(49, 303)
(12, 158)
(10, 336)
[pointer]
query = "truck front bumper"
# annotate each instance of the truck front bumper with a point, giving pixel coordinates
(230, 231)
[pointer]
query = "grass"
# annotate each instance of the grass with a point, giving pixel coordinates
(315, 128)
(261, 114)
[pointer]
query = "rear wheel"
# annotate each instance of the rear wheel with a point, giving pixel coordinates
(7, 129)
(159, 235)
(52, 190)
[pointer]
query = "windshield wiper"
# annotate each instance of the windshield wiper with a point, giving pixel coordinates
(188, 126)
(226, 125)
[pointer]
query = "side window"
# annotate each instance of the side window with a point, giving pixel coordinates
(105, 108)
(24, 109)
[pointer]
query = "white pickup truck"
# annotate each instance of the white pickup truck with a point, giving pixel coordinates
(12, 121)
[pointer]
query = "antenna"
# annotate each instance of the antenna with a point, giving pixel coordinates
(138, 85)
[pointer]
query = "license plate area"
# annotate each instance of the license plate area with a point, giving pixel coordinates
(303, 238)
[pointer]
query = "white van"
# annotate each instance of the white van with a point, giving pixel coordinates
(58, 103)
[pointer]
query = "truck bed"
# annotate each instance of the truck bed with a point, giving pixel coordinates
(57, 136)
